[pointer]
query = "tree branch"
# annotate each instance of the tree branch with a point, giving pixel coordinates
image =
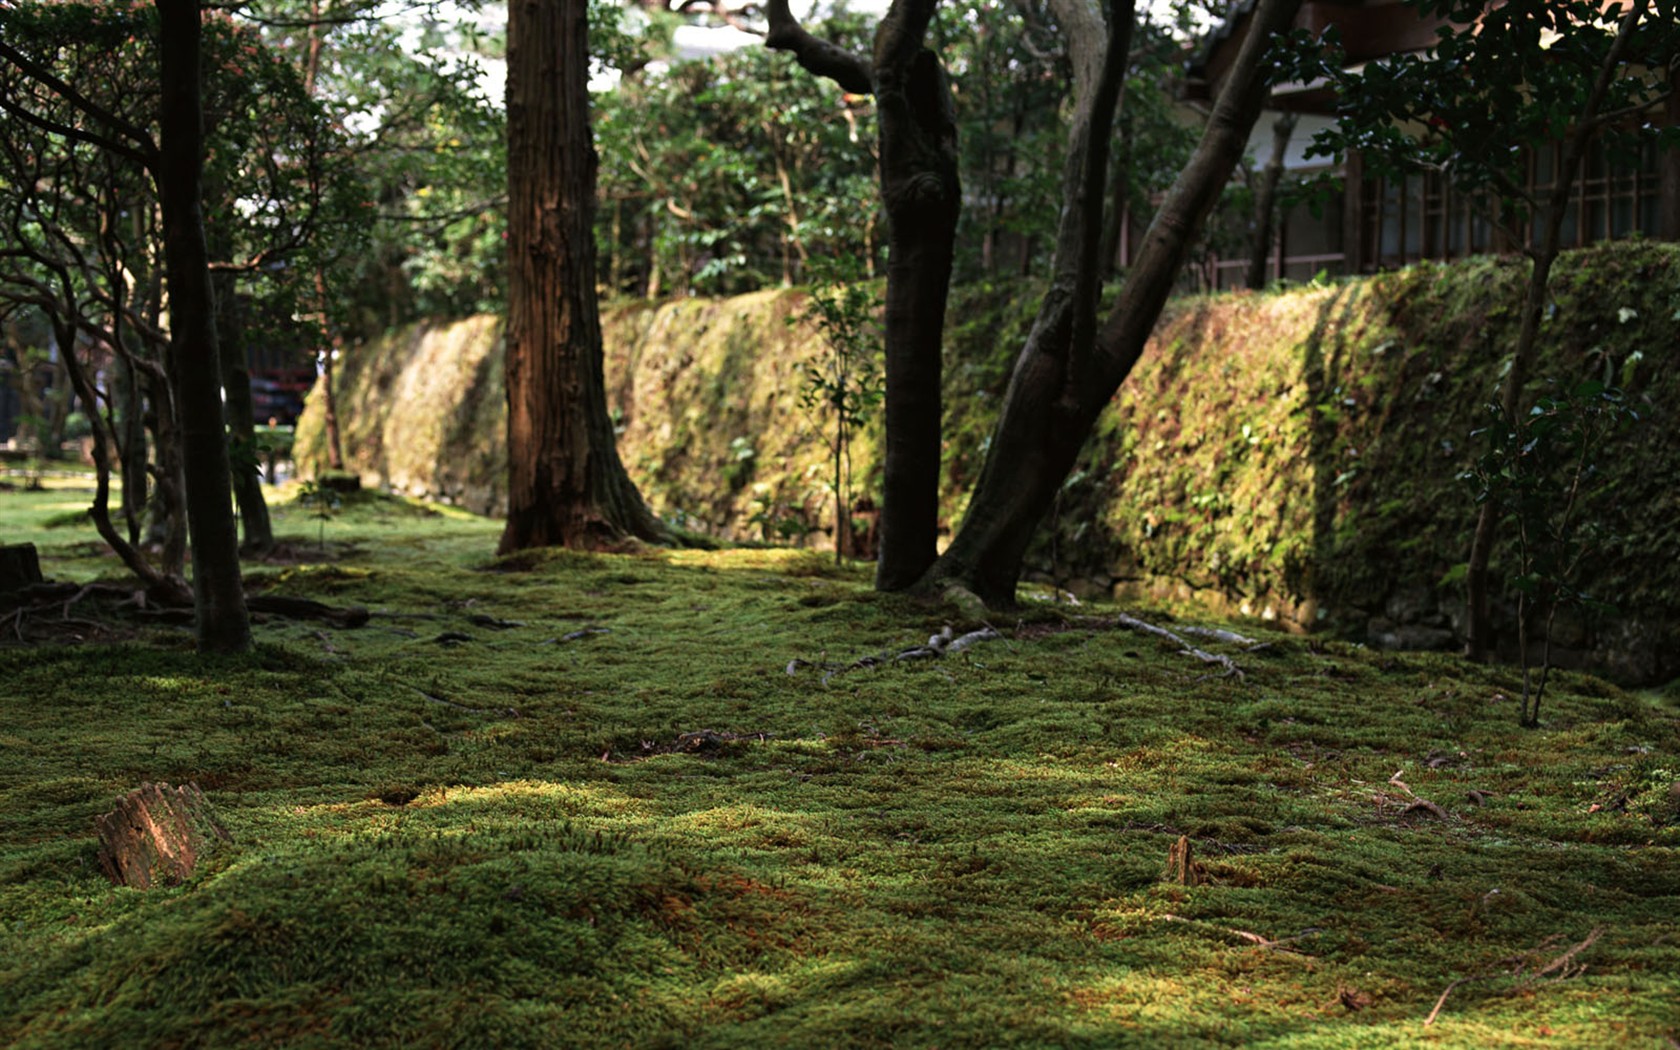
(144, 149)
(816, 55)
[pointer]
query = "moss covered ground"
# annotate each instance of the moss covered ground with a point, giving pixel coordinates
(578, 800)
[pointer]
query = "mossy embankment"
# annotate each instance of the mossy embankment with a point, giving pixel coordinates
(1293, 456)
(578, 800)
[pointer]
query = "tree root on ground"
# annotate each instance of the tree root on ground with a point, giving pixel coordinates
(945, 643)
(1132, 623)
(493, 712)
(40, 613)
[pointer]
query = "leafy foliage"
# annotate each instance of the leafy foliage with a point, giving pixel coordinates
(846, 383)
(1540, 472)
(731, 174)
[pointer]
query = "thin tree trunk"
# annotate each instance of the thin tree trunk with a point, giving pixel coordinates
(1265, 201)
(566, 485)
(166, 588)
(130, 440)
(223, 626)
(241, 419)
(922, 194)
(1059, 387)
(236, 385)
(1479, 644)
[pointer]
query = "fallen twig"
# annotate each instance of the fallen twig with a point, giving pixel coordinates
(1418, 802)
(1514, 966)
(1282, 944)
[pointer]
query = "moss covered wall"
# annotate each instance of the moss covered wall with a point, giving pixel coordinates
(1292, 455)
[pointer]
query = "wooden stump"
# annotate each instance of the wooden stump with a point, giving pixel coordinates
(19, 567)
(1182, 866)
(156, 835)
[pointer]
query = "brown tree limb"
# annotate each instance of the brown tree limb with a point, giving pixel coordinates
(816, 55)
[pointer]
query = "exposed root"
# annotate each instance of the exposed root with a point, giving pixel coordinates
(42, 612)
(306, 609)
(494, 712)
(1219, 634)
(946, 642)
(1132, 623)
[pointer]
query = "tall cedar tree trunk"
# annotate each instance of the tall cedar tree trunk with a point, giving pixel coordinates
(1062, 381)
(329, 393)
(1265, 201)
(566, 485)
(218, 592)
(922, 194)
(1479, 644)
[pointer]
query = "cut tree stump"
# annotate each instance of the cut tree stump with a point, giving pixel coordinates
(19, 567)
(156, 835)
(1182, 866)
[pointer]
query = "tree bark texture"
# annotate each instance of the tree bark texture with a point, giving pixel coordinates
(223, 624)
(922, 195)
(1480, 641)
(20, 566)
(1060, 385)
(156, 835)
(566, 484)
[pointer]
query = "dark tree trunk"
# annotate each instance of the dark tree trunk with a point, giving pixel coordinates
(218, 592)
(1669, 193)
(1265, 201)
(566, 485)
(241, 418)
(329, 394)
(167, 588)
(130, 404)
(922, 195)
(1060, 383)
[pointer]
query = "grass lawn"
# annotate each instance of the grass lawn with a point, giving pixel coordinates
(579, 800)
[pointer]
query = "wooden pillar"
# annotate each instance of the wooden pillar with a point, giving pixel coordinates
(1353, 214)
(1668, 169)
